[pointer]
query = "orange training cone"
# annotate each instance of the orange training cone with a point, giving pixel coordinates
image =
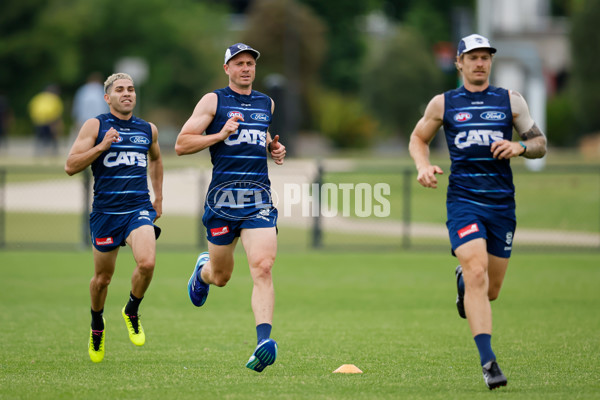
(348, 369)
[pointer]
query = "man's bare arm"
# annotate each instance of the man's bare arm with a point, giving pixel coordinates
(533, 137)
(85, 150)
(422, 135)
(155, 169)
(191, 139)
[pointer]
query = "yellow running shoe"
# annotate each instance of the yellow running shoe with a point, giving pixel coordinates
(135, 329)
(96, 345)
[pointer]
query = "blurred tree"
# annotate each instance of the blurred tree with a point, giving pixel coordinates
(401, 10)
(274, 26)
(21, 53)
(347, 49)
(561, 120)
(63, 41)
(344, 120)
(432, 22)
(399, 80)
(292, 42)
(343, 61)
(236, 6)
(585, 80)
(562, 8)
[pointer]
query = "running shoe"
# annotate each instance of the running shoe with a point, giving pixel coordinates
(96, 345)
(263, 356)
(135, 329)
(197, 289)
(460, 297)
(493, 376)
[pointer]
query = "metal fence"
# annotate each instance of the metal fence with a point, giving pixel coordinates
(39, 210)
(559, 208)
(43, 208)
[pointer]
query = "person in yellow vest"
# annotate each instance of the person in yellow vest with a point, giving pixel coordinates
(46, 111)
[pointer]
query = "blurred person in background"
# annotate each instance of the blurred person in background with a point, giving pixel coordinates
(478, 121)
(233, 123)
(46, 112)
(121, 149)
(88, 101)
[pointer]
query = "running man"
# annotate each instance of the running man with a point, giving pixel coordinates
(233, 123)
(478, 121)
(117, 146)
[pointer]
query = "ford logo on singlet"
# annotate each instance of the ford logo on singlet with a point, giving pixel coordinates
(462, 117)
(493, 115)
(139, 140)
(235, 114)
(259, 117)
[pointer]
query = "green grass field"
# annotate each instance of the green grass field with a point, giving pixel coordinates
(391, 314)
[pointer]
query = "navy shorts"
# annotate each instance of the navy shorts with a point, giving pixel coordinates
(222, 231)
(110, 231)
(469, 221)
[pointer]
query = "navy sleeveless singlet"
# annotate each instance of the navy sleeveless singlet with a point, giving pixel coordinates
(120, 173)
(472, 122)
(240, 178)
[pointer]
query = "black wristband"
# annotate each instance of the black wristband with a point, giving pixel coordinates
(269, 147)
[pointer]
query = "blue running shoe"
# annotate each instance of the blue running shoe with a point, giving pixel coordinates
(197, 289)
(263, 356)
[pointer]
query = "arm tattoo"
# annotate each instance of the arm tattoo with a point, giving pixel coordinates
(536, 142)
(532, 133)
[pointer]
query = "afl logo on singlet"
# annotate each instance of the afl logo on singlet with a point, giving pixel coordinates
(493, 115)
(462, 117)
(139, 140)
(231, 114)
(118, 139)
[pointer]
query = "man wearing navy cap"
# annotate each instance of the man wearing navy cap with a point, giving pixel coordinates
(478, 121)
(233, 123)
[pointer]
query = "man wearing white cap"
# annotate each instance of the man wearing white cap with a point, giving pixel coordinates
(478, 121)
(233, 123)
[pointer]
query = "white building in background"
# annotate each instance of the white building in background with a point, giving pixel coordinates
(533, 51)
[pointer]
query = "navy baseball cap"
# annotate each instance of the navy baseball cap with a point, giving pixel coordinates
(473, 42)
(237, 48)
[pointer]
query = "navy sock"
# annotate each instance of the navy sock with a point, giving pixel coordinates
(133, 305)
(263, 331)
(97, 321)
(484, 345)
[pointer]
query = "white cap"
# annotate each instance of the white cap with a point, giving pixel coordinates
(473, 42)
